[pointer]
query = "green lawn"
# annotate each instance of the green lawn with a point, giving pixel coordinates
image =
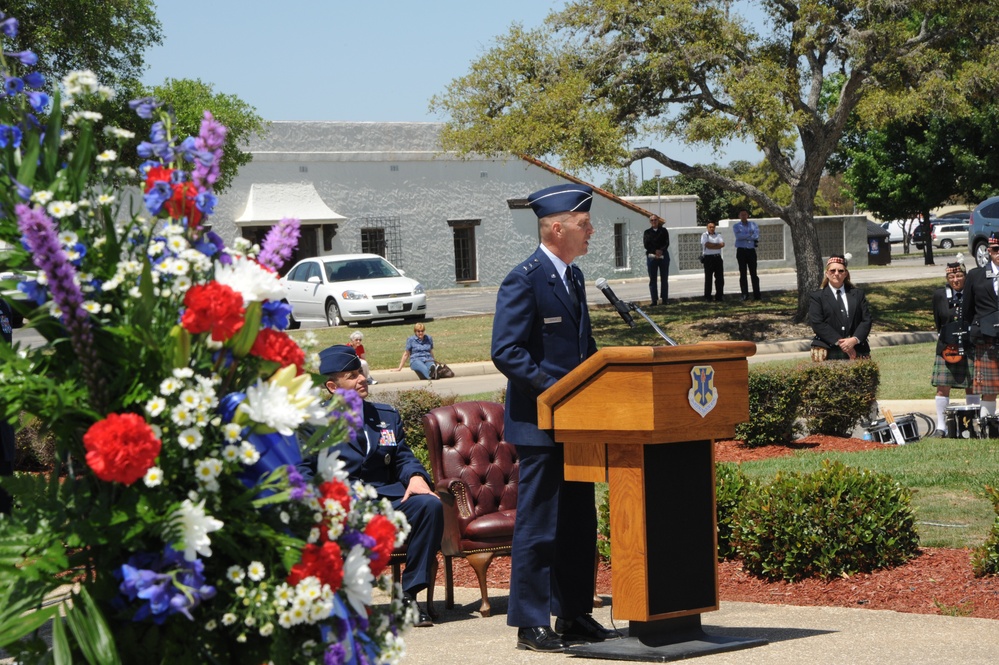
(947, 477)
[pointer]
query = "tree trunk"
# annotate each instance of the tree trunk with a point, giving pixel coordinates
(807, 259)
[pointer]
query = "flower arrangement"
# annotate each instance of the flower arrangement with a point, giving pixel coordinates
(177, 508)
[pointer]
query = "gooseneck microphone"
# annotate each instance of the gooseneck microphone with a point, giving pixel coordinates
(622, 308)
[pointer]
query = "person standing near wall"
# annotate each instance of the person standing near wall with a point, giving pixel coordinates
(747, 237)
(656, 241)
(711, 247)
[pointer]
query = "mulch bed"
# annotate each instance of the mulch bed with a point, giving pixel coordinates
(938, 581)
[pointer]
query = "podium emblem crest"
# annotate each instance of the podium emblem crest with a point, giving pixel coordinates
(702, 396)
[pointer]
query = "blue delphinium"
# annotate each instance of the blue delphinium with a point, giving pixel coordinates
(168, 583)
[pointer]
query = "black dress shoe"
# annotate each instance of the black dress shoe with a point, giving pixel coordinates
(583, 628)
(423, 619)
(539, 638)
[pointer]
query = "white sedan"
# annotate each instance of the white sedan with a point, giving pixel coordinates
(344, 288)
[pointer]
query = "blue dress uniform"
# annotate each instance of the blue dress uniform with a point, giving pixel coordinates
(539, 335)
(380, 458)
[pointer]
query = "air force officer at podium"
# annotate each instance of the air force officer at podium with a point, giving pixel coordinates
(541, 332)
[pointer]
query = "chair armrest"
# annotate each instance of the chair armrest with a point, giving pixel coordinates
(457, 490)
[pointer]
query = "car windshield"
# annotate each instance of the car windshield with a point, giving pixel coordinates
(354, 269)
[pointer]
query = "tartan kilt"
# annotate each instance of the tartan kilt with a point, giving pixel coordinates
(986, 380)
(955, 375)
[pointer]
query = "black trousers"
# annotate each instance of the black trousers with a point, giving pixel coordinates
(713, 266)
(746, 256)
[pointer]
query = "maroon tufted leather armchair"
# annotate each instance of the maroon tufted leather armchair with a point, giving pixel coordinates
(476, 473)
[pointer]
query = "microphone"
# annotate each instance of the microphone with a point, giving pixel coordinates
(621, 307)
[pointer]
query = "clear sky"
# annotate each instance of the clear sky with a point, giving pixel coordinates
(379, 60)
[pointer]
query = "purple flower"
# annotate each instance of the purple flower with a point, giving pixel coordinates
(9, 27)
(280, 242)
(10, 136)
(298, 484)
(335, 654)
(34, 80)
(144, 107)
(25, 57)
(211, 139)
(12, 85)
(169, 585)
(211, 244)
(35, 291)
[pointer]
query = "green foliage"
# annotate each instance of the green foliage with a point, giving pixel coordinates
(35, 448)
(731, 486)
(412, 406)
(603, 526)
(835, 521)
(985, 558)
(189, 99)
(838, 394)
(775, 398)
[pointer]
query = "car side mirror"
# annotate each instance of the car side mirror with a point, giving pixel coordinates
(314, 280)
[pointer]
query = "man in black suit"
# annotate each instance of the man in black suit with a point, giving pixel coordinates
(839, 315)
(543, 333)
(981, 310)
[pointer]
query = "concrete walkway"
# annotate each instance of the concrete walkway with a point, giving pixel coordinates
(795, 636)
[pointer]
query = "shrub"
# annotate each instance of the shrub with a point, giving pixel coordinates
(412, 406)
(985, 557)
(731, 485)
(603, 526)
(838, 394)
(774, 405)
(835, 521)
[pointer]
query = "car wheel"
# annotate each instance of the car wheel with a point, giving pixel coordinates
(946, 243)
(981, 254)
(333, 314)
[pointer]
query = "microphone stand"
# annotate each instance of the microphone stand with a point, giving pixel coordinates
(635, 308)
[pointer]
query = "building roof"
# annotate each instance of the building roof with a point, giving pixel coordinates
(268, 203)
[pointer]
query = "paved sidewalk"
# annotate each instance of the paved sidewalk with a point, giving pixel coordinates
(796, 636)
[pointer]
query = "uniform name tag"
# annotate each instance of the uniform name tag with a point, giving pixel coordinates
(553, 319)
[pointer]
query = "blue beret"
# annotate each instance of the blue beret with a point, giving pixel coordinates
(561, 198)
(339, 358)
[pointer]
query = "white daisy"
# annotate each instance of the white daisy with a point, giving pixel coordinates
(42, 197)
(248, 453)
(207, 469)
(107, 156)
(190, 439)
(155, 406)
(230, 453)
(228, 619)
(60, 209)
(181, 416)
(256, 571)
(266, 630)
(231, 432)
(153, 477)
(169, 386)
(235, 574)
(67, 238)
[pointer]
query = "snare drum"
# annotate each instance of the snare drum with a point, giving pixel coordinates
(962, 421)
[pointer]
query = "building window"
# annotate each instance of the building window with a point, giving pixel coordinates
(465, 268)
(373, 242)
(620, 245)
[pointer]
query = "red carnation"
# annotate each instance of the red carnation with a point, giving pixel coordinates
(121, 448)
(157, 174)
(278, 346)
(338, 491)
(383, 531)
(324, 562)
(181, 204)
(213, 307)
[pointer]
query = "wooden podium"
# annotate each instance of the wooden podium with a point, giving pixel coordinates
(644, 420)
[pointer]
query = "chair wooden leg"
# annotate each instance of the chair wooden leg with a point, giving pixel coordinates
(430, 589)
(448, 582)
(480, 564)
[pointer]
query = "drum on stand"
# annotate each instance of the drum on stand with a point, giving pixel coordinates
(963, 421)
(988, 427)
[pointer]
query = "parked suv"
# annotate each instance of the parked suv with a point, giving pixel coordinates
(984, 222)
(946, 236)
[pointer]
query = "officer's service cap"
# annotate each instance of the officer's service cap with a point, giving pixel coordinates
(561, 198)
(338, 358)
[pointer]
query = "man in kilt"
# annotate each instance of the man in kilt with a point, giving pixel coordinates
(981, 310)
(951, 368)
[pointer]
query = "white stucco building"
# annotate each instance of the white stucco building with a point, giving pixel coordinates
(387, 188)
